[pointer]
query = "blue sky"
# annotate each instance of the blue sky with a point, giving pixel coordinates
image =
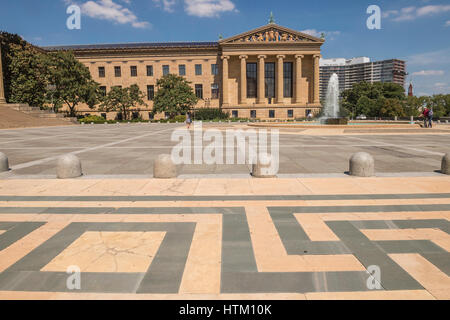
(415, 30)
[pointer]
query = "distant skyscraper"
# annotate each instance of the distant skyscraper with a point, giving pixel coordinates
(351, 71)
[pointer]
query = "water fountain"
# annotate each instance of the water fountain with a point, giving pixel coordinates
(331, 109)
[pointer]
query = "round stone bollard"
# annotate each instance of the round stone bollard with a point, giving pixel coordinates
(362, 164)
(445, 168)
(68, 166)
(164, 167)
(4, 165)
(263, 167)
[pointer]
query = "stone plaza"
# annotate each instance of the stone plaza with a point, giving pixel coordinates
(215, 232)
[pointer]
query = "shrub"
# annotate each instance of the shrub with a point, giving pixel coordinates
(94, 119)
(210, 114)
(180, 118)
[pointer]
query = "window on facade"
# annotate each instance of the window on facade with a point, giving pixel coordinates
(150, 92)
(199, 91)
(272, 114)
(136, 115)
(167, 115)
(117, 72)
(103, 115)
(133, 70)
(214, 91)
(214, 69)
(166, 70)
(151, 115)
(287, 79)
(253, 114)
(308, 112)
(235, 114)
(290, 113)
(149, 71)
(182, 69)
(198, 69)
(252, 80)
(102, 90)
(269, 75)
(101, 72)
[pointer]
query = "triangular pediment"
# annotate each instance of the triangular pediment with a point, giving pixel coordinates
(272, 33)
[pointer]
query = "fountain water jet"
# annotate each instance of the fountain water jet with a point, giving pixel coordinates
(331, 109)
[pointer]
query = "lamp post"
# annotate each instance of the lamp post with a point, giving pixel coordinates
(52, 89)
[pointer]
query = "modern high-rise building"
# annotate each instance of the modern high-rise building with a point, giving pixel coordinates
(351, 71)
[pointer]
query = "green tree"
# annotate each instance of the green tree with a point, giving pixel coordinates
(122, 100)
(174, 95)
(392, 107)
(72, 80)
(28, 75)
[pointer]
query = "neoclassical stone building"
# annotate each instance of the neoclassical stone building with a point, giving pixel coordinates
(271, 72)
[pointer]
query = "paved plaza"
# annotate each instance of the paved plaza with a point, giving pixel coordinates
(216, 233)
(130, 149)
(308, 238)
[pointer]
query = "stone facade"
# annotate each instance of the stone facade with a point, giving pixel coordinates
(270, 44)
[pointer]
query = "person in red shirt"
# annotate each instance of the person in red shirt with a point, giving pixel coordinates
(425, 117)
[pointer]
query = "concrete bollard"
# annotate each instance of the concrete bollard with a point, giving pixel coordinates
(68, 166)
(4, 165)
(445, 168)
(262, 168)
(164, 167)
(446, 121)
(362, 164)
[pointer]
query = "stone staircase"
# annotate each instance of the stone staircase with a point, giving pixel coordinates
(38, 113)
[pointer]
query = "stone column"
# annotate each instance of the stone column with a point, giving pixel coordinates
(2, 88)
(261, 78)
(298, 78)
(243, 97)
(225, 93)
(316, 89)
(280, 79)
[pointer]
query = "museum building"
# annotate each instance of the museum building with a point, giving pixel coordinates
(271, 72)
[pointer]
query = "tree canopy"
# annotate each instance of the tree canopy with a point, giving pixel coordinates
(174, 95)
(122, 100)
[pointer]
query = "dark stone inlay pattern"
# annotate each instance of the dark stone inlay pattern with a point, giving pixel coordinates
(16, 231)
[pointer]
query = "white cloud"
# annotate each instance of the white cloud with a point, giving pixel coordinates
(208, 8)
(439, 57)
(440, 84)
(428, 73)
(412, 13)
(166, 4)
(447, 23)
(111, 11)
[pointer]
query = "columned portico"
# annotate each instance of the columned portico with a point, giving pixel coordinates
(2, 88)
(243, 96)
(298, 78)
(261, 80)
(280, 77)
(316, 58)
(225, 90)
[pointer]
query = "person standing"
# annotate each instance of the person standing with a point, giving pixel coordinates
(188, 120)
(425, 117)
(430, 118)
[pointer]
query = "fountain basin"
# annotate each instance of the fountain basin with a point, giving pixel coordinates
(334, 121)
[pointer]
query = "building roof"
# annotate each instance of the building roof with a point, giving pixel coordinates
(118, 46)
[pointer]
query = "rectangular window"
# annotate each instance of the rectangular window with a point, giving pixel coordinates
(235, 114)
(287, 79)
(166, 70)
(149, 71)
(308, 112)
(252, 80)
(117, 72)
(102, 90)
(167, 115)
(150, 92)
(151, 115)
(198, 69)
(253, 114)
(182, 69)
(214, 91)
(133, 71)
(214, 69)
(101, 72)
(271, 114)
(199, 91)
(290, 113)
(269, 76)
